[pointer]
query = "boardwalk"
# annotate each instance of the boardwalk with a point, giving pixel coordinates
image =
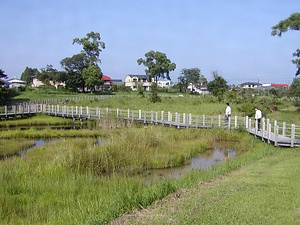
(273, 133)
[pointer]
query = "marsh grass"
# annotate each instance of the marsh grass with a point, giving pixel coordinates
(13, 147)
(82, 180)
(39, 119)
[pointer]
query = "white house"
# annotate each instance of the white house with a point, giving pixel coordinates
(14, 82)
(164, 83)
(133, 81)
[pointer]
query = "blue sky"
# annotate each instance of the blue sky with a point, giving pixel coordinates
(231, 36)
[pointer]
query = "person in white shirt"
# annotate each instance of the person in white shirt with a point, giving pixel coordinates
(227, 113)
(258, 116)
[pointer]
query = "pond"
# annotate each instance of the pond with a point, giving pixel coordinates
(220, 152)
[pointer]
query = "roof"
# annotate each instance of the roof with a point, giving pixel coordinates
(280, 85)
(138, 76)
(105, 78)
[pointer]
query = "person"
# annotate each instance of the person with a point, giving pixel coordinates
(258, 116)
(227, 113)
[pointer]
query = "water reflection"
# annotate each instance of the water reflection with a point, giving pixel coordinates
(202, 161)
(37, 143)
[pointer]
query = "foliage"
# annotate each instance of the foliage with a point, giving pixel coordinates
(158, 65)
(154, 97)
(217, 86)
(92, 77)
(191, 76)
(291, 23)
(74, 66)
(28, 74)
(92, 47)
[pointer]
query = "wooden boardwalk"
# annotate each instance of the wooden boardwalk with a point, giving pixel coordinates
(282, 136)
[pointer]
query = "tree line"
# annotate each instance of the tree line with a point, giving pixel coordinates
(82, 71)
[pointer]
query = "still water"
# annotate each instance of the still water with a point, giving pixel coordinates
(205, 160)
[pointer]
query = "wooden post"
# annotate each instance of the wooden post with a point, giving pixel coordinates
(269, 132)
(183, 118)
(293, 132)
(156, 117)
(145, 119)
(152, 116)
(212, 121)
(235, 122)
(203, 120)
(229, 122)
(284, 128)
(117, 111)
(140, 114)
(247, 123)
(276, 134)
(162, 117)
(219, 121)
(128, 113)
(190, 118)
(132, 117)
(197, 120)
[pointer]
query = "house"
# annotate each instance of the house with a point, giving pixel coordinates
(198, 89)
(15, 83)
(273, 85)
(164, 83)
(250, 85)
(36, 82)
(133, 81)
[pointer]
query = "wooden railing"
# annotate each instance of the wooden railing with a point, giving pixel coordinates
(280, 134)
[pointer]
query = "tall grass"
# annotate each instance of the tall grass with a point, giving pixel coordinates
(82, 181)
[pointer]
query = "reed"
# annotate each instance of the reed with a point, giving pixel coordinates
(13, 147)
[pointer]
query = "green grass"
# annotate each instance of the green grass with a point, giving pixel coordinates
(263, 192)
(61, 183)
(13, 146)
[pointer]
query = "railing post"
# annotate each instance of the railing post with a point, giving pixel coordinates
(152, 116)
(203, 120)
(162, 117)
(235, 122)
(145, 119)
(293, 132)
(284, 128)
(190, 118)
(197, 121)
(229, 122)
(269, 132)
(219, 123)
(140, 114)
(276, 134)
(211, 121)
(156, 117)
(183, 118)
(247, 122)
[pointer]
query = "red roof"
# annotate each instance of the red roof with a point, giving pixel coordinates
(106, 78)
(280, 85)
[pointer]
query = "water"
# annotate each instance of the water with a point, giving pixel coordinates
(204, 161)
(37, 143)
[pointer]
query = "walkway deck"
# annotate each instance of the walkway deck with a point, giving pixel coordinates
(283, 136)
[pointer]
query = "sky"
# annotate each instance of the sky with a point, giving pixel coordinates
(232, 37)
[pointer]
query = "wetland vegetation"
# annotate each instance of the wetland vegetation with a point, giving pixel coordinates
(91, 175)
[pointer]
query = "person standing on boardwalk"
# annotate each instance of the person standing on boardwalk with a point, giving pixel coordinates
(227, 113)
(258, 116)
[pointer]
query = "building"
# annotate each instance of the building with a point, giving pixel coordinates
(133, 81)
(164, 83)
(250, 85)
(15, 83)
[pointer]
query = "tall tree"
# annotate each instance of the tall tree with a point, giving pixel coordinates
(28, 74)
(191, 76)
(92, 76)
(158, 65)
(74, 66)
(217, 86)
(92, 47)
(291, 23)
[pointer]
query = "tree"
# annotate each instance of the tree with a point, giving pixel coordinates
(190, 76)
(74, 66)
(5, 93)
(92, 77)
(2, 75)
(92, 47)
(28, 74)
(291, 23)
(158, 65)
(217, 86)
